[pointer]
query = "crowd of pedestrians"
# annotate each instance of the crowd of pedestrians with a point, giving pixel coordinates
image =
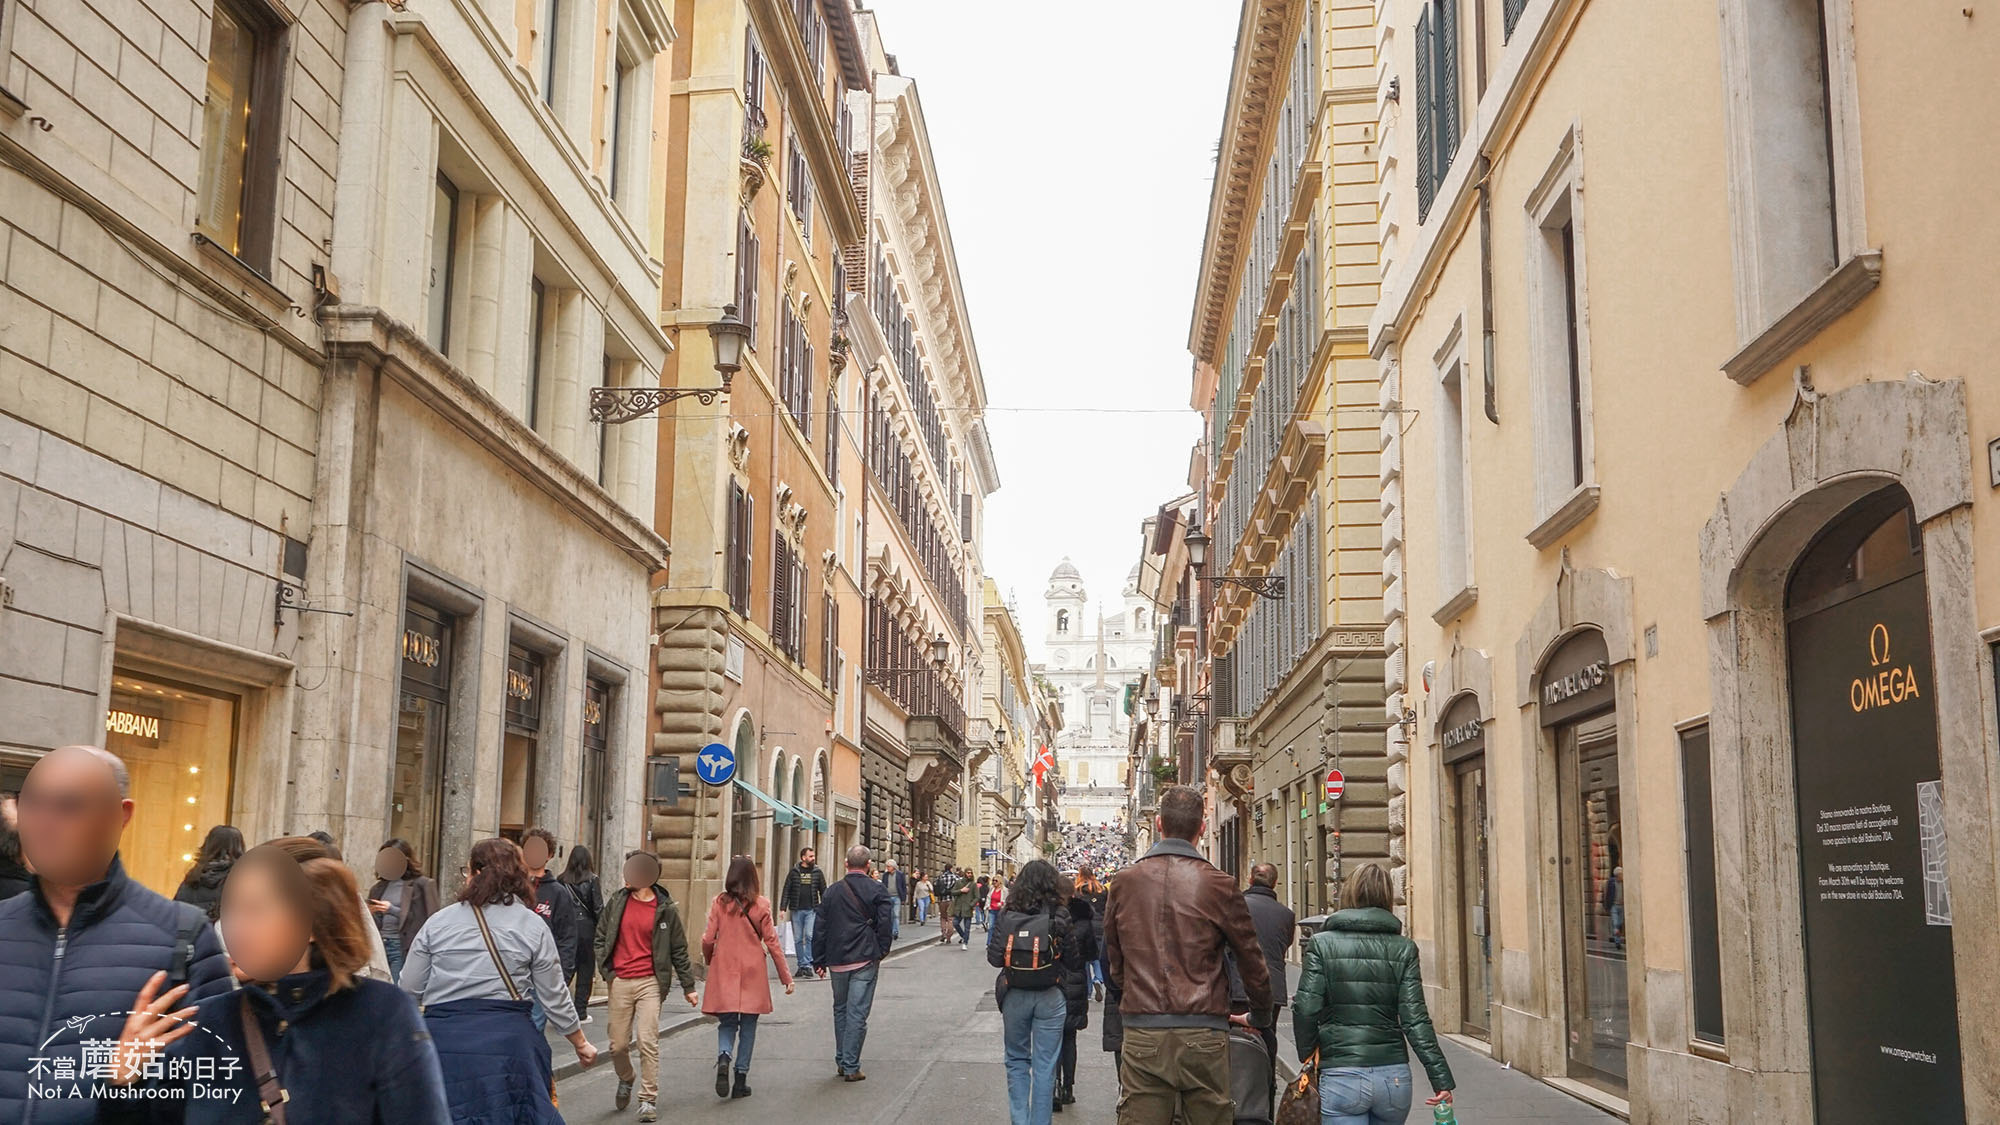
(1101, 847)
(271, 989)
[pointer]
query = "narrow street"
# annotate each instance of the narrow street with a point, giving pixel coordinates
(934, 1053)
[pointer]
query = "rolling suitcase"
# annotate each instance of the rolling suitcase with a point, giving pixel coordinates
(1249, 1077)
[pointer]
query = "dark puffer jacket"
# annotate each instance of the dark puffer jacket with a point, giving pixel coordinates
(1076, 980)
(1361, 995)
(203, 887)
(119, 934)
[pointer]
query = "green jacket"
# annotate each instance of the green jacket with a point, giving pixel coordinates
(964, 897)
(670, 943)
(1361, 994)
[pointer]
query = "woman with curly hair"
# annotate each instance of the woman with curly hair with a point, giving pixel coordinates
(472, 967)
(1035, 946)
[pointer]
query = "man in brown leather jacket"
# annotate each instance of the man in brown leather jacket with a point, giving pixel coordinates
(1170, 916)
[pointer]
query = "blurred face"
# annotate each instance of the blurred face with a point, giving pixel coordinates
(391, 864)
(641, 871)
(261, 927)
(535, 853)
(71, 817)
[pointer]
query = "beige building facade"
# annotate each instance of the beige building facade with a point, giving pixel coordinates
(1689, 541)
(1292, 686)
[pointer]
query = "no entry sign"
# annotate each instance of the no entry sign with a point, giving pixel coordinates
(1335, 782)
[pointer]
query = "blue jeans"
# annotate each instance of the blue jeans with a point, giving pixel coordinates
(853, 996)
(1096, 972)
(896, 915)
(1032, 1023)
(1365, 1095)
(392, 948)
(803, 924)
(736, 1035)
(923, 911)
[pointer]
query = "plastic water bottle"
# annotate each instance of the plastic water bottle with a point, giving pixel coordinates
(1442, 1114)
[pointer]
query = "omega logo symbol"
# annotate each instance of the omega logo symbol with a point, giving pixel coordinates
(1890, 684)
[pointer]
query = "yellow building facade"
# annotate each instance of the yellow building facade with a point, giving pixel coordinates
(1291, 460)
(1689, 548)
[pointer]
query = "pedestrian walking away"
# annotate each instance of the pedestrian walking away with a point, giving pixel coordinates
(897, 887)
(740, 934)
(857, 927)
(981, 896)
(1034, 945)
(329, 1044)
(805, 886)
(1360, 998)
(472, 968)
(580, 876)
(1092, 891)
(641, 946)
(85, 937)
(401, 900)
(1170, 917)
(1277, 928)
(202, 885)
(556, 906)
(1076, 994)
(378, 956)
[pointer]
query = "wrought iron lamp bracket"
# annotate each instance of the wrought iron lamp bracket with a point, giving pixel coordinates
(611, 405)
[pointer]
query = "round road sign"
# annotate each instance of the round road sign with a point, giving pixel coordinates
(716, 764)
(1335, 783)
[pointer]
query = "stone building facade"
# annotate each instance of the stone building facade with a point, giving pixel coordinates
(1292, 469)
(159, 399)
(1694, 548)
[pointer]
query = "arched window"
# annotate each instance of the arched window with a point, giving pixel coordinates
(1062, 621)
(1139, 619)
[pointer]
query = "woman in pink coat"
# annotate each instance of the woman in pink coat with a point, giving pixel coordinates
(738, 990)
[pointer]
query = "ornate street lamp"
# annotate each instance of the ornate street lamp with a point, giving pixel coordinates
(1153, 707)
(1264, 586)
(940, 654)
(611, 405)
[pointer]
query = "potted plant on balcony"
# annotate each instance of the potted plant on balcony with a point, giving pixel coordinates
(756, 162)
(1164, 772)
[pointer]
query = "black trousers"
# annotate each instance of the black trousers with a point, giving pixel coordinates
(1270, 1034)
(1066, 1065)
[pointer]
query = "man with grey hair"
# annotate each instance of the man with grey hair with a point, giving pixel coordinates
(85, 938)
(857, 925)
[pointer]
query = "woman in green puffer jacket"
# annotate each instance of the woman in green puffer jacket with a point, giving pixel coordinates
(1360, 996)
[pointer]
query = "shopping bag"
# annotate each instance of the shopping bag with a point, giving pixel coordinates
(1300, 1105)
(785, 940)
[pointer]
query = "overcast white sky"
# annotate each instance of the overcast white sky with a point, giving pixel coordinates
(1075, 146)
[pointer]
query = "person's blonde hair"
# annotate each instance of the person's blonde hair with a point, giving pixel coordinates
(1370, 886)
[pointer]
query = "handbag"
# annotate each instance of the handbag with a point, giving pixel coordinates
(1301, 1102)
(271, 1094)
(506, 978)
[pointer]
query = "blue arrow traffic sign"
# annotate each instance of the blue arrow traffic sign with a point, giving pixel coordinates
(716, 764)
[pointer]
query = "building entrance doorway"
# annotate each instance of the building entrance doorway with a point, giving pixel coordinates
(1876, 907)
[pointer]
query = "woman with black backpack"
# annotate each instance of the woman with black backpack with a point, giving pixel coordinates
(580, 876)
(1035, 946)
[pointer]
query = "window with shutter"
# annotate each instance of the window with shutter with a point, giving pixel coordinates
(833, 437)
(965, 516)
(1222, 688)
(1510, 14)
(739, 556)
(781, 592)
(1426, 113)
(829, 624)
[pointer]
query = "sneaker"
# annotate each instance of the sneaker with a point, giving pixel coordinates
(583, 1018)
(624, 1097)
(722, 1075)
(647, 1112)
(855, 1076)
(1097, 991)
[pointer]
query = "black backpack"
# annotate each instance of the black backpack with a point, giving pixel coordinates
(1031, 953)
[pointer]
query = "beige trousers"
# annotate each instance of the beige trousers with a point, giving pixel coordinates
(635, 1015)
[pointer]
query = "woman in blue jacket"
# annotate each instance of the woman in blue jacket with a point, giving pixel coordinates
(337, 1047)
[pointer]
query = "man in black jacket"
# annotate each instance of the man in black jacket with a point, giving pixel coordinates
(857, 925)
(84, 939)
(1277, 928)
(552, 899)
(805, 886)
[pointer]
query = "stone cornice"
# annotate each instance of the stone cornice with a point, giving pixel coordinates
(370, 336)
(1264, 35)
(927, 255)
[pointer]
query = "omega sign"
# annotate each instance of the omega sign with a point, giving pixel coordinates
(1889, 684)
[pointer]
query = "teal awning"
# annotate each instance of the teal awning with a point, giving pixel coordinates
(784, 814)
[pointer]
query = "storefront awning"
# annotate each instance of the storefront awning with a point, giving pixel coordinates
(785, 814)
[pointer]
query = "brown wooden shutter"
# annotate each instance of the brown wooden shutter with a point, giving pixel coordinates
(781, 590)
